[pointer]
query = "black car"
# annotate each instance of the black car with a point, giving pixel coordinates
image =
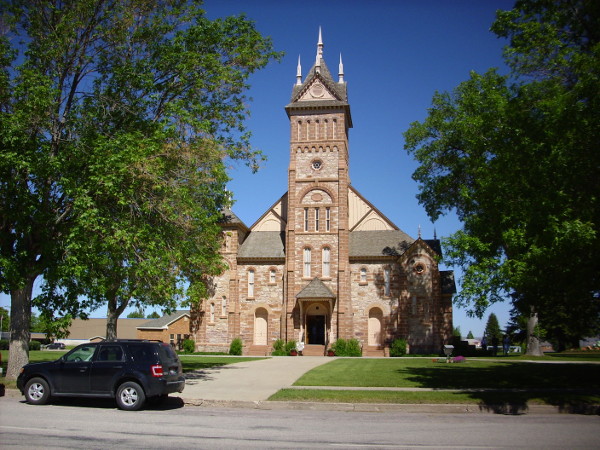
(130, 371)
(56, 346)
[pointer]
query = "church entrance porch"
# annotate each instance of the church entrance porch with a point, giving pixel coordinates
(315, 326)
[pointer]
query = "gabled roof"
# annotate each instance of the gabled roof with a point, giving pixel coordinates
(315, 289)
(163, 322)
(379, 243)
(263, 244)
(229, 218)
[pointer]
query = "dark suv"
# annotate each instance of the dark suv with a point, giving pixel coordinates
(131, 371)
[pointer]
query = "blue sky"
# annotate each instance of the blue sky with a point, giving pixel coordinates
(396, 54)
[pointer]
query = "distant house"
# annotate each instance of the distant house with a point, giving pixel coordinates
(82, 331)
(174, 328)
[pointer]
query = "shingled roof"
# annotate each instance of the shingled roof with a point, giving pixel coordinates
(263, 244)
(315, 289)
(163, 323)
(379, 243)
(228, 217)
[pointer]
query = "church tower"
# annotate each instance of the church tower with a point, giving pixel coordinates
(317, 302)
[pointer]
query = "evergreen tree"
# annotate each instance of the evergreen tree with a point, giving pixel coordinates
(492, 329)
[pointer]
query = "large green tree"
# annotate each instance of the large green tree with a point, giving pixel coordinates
(117, 118)
(517, 158)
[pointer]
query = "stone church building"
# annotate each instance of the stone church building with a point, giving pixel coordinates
(322, 262)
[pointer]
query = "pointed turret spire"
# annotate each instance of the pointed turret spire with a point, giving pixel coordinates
(319, 52)
(341, 70)
(299, 72)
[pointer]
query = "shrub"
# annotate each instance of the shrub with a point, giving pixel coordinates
(189, 346)
(289, 346)
(350, 347)
(236, 347)
(398, 347)
(34, 345)
(278, 348)
(3, 344)
(353, 348)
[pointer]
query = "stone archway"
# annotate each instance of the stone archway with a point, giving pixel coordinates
(261, 317)
(375, 327)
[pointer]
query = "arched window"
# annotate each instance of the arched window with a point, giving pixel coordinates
(224, 306)
(363, 276)
(251, 283)
(307, 258)
(326, 262)
(272, 276)
(212, 312)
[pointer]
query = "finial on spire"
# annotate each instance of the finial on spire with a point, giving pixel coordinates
(419, 231)
(299, 72)
(341, 71)
(434, 234)
(319, 50)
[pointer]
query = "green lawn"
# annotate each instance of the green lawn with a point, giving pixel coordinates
(571, 387)
(472, 374)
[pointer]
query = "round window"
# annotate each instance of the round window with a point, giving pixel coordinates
(316, 164)
(419, 268)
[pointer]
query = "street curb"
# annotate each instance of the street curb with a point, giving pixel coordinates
(403, 408)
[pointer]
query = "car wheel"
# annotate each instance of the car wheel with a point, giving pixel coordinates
(130, 396)
(37, 391)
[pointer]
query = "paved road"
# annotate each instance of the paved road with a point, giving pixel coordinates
(98, 424)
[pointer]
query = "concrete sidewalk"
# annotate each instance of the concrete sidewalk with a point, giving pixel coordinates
(250, 381)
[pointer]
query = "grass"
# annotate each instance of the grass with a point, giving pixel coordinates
(473, 374)
(514, 385)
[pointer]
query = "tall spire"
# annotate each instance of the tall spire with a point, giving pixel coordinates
(341, 71)
(319, 52)
(299, 72)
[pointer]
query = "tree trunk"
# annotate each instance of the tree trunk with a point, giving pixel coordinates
(20, 322)
(114, 310)
(533, 340)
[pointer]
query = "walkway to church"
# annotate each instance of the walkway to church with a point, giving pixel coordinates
(251, 381)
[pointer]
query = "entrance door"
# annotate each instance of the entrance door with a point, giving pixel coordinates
(315, 330)
(260, 326)
(375, 317)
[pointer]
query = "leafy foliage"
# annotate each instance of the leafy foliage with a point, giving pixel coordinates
(350, 347)
(279, 348)
(189, 346)
(517, 159)
(118, 122)
(398, 347)
(236, 347)
(290, 346)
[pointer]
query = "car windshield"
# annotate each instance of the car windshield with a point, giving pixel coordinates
(83, 353)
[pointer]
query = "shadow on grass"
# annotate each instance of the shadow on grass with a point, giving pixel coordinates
(509, 388)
